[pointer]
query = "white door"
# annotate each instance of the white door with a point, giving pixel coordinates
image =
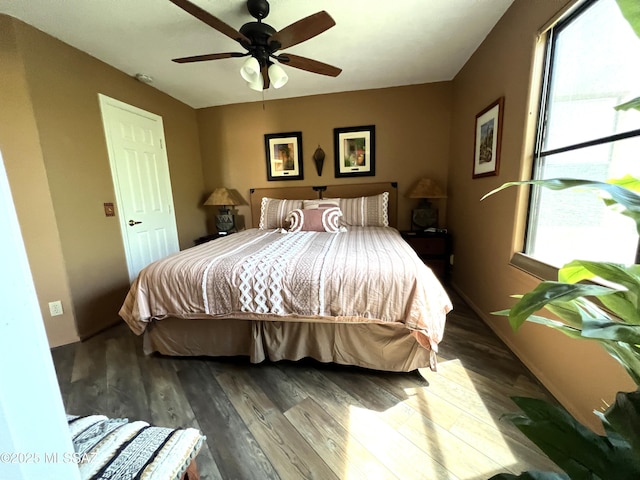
(140, 170)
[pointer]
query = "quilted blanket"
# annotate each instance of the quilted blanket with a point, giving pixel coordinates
(367, 274)
(107, 448)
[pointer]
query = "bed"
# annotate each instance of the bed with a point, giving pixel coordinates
(356, 294)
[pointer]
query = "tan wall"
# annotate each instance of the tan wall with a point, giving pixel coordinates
(486, 234)
(412, 138)
(20, 147)
(63, 85)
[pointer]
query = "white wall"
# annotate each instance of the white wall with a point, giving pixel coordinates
(33, 425)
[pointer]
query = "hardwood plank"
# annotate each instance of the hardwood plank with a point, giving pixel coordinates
(486, 409)
(170, 407)
(393, 450)
(126, 395)
(89, 379)
(290, 454)
(297, 419)
(359, 384)
(421, 399)
(453, 453)
(516, 456)
(347, 457)
(456, 371)
(63, 358)
(277, 386)
(233, 447)
(167, 401)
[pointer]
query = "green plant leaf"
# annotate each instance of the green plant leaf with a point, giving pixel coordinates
(532, 475)
(572, 332)
(631, 12)
(622, 307)
(628, 181)
(576, 311)
(624, 304)
(610, 330)
(627, 355)
(547, 292)
(624, 417)
(578, 451)
(619, 195)
(578, 270)
(635, 104)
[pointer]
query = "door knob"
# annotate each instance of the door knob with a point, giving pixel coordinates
(133, 222)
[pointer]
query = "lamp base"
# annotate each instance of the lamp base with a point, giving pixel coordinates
(225, 222)
(423, 218)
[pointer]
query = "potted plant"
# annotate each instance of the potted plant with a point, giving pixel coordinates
(609, 315)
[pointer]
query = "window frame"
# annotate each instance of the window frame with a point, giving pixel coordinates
(521, 260)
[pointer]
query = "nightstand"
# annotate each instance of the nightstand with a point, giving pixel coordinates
(433, 248)
(208, 238)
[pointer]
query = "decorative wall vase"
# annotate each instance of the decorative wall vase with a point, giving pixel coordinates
(318, 158)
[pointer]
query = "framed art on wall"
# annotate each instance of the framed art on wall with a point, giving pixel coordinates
(488, 138)
(355, 154)
(284, 156)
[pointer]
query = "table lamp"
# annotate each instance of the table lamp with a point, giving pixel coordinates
(426, 215)
(223, 197)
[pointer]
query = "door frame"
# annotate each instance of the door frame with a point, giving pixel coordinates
(106, 101)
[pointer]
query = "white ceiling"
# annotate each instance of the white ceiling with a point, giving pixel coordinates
(377, 43)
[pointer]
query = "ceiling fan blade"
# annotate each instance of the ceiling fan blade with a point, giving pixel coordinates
(212, 21)
(210, 56)
(309, 65)
(303, 29)
(265, 77)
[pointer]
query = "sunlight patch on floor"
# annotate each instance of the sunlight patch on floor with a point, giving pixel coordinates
(449, 428)
(397, 453)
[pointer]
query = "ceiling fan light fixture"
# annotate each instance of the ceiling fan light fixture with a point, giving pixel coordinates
(257, 84)
(277, 76)
(250, 70)
(260, 41)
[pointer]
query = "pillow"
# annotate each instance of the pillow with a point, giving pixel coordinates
(273, 212)
(366, 211)
(321, 203)
(315, 220)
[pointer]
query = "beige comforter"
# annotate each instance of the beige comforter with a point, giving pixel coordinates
(368, 274)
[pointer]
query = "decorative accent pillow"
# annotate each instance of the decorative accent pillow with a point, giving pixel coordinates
(321, 203)
(370, 211)
(315, 220)
(273, 212)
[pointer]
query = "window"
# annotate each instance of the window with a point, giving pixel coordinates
(591, 66)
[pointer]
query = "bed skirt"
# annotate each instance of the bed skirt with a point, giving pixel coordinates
(388, 347)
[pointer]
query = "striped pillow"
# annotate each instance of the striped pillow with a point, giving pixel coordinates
(321, 203)
(273, 212)
(315, 220)
(370, 211)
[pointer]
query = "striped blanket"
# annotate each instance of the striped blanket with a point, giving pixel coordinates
(367, 274)
(117, 449)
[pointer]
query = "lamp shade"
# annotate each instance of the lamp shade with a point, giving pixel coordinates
(250, 70)
(278, 76)
(223, 196)
(257, 84)
(426, 188)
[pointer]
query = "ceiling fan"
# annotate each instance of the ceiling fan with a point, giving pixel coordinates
(262, 41)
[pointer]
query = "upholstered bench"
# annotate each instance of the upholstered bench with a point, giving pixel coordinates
(116, 449)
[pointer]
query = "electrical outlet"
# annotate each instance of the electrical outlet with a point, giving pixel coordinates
(55, 308)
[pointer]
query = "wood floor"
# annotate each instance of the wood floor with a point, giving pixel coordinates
(309, 420)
